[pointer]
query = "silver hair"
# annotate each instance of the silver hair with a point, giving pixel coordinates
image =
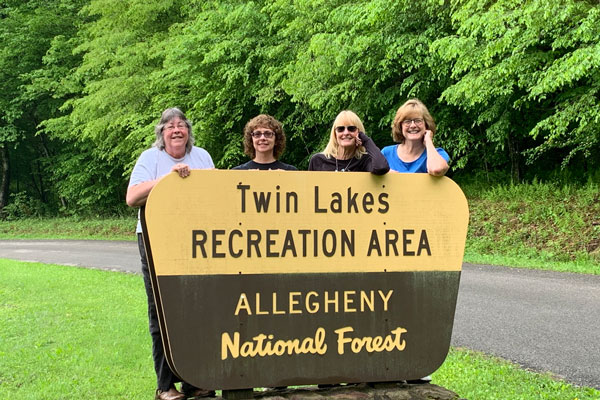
(165, 118)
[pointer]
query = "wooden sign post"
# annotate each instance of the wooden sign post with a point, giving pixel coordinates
(284, 278)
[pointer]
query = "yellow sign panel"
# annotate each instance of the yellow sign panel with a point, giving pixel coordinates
(261, 222)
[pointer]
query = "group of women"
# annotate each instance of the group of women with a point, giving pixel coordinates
(349, 150)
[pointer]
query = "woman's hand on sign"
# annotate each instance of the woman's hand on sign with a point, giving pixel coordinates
(183, 170)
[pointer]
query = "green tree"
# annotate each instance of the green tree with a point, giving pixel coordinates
(111, 120)
(368, 56)
(27, 31)
(527, 77)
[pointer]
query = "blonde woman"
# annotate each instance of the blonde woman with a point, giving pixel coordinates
(349, 149)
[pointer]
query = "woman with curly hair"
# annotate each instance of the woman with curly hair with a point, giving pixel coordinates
(264, 142)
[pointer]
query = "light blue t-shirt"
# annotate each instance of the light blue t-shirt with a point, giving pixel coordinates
(419, 165)
(154, 163)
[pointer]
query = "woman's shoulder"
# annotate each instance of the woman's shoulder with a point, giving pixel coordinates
(317, 161)
(443, 153)
(246, 165)
(148, 154)
(151, 150)
(318, 157)
(391, 149)
(200, 158)
(199, 150)
(287, 167)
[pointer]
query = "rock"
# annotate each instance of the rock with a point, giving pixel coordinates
(377, 391)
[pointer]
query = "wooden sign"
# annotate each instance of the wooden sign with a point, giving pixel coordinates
(278, 278)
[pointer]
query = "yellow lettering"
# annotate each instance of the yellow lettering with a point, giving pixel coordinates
(228, 344)
(348, 300)
(385, 298)
(311, 307)
(275, 310)
(262, 345)
(258, 311)
(294, 302)
(279, 348)
(247, 349)
(260, 350)
(370, 302)
(371, 344)
(377, 343)
(341, 339)
(321, 347)
(243, 305)
(398, 332)
(329, 301)
(312, 302)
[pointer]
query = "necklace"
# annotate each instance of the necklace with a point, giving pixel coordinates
(346, 169)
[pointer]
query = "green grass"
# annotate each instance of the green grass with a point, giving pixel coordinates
(476, 376)
(71, 333)
(118, 228)
(582, 266)
(545, 226)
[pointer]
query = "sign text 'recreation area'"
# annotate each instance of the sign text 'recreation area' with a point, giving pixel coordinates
(280, 278)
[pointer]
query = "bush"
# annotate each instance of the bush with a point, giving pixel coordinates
(21, 205)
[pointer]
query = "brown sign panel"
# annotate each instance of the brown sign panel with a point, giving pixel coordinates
(280, 278)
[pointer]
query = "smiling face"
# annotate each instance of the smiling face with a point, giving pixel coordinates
(346, 132)
(342, 144)
(413, 126)
(267, 148)
(405, 127)
(263, 140)
(176, 135)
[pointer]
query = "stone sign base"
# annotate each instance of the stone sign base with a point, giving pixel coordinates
(378, 391)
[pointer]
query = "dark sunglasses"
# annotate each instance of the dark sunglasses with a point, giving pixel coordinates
(340, 129)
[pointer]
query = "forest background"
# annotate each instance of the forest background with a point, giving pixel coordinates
(513, 86)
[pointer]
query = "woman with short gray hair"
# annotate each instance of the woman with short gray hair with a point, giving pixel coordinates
(173, 151)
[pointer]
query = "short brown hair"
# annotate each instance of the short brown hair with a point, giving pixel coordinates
(264, 121)
(407, 108)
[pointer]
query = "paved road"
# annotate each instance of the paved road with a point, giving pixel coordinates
(111, 255)
(545, 321)
(542, 320)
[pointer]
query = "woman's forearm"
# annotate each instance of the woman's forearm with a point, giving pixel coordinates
(138, 194)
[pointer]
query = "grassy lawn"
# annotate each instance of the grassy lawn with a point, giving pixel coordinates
(540, 226)
(82, 333)
(72, 333)
(118, 228)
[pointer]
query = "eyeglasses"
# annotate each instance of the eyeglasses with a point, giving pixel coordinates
(267, 134)
(340, 129)
(417, 121)
(170, 127)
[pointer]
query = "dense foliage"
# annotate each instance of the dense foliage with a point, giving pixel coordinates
(513, 85)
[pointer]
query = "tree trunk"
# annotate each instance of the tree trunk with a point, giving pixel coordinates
(47, 153)
(5, 177)
(513, 152)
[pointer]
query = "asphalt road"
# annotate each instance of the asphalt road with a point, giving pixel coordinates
(544, 321)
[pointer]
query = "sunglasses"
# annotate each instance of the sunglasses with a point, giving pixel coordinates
(267, 134)
(340, 129)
